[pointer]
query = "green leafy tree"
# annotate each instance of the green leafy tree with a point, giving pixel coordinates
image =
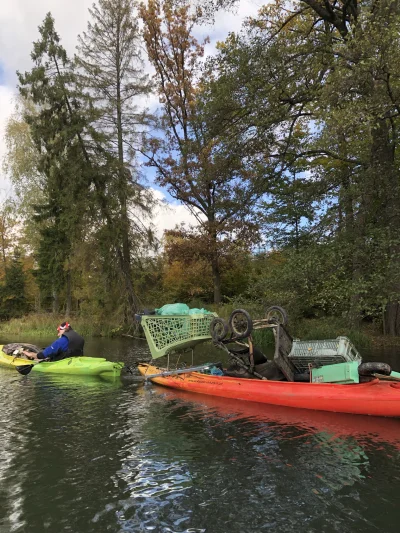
(55, 125)
(9, 230)
(331, 70)
(12, 291)
(114, 85)
(193, 160)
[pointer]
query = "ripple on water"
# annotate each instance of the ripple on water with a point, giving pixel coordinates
(86, 456)
(216, 467)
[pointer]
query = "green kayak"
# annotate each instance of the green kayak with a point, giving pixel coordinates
(83, 366)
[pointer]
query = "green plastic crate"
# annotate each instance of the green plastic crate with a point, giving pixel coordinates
(341, 373)
(174, 333)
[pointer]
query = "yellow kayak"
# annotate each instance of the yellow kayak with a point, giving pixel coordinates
(12, 360)
(83, 366)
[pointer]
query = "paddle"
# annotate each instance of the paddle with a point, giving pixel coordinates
(24, 369)
(179, 371)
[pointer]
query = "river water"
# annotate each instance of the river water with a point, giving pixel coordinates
(85, 455)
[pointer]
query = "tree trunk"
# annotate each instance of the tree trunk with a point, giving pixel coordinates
(125, 254)
(55, 302)
(216, 277)
(38, 305)
(387, 175)
(68, 295)
(392, 319)
(352, 232)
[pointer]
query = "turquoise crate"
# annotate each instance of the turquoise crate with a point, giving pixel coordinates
(341, 373)
(175, 333)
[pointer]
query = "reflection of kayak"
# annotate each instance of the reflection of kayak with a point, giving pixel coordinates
(84, 366)
(378, 398)
(70, 382)
(339, 425)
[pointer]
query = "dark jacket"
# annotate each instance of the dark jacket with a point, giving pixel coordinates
(75, 343)
(70, 344)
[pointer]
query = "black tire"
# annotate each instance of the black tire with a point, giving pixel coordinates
(366, 379)
(240, 323)
(276, 314)
(366, 369)
(218, 329)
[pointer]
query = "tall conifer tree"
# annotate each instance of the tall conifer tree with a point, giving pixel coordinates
(112, 76)
(55, 126)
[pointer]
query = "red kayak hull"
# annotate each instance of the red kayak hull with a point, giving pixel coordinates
(376, 398)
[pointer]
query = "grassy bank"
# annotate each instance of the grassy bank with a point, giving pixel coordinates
(323, 328)
(45, 325)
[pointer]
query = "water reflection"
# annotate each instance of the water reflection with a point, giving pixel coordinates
(87, 456)
(207, 458)
(367, 429)
(13, 440)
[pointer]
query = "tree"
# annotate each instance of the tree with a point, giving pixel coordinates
(331, 69)
(55, 126)
(9, 221)
(187, 272)
(289, 213)
(112, 78)
(87, 191)
(22, 159)
(192, 159)
(13, 300)
(366, 49)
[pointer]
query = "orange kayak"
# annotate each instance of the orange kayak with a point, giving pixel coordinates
(376, 398)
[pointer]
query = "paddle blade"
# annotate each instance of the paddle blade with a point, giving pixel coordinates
(24, 369)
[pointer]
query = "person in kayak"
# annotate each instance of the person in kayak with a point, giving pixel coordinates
(68, 344)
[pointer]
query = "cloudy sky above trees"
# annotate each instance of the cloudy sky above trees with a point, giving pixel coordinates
(19, 21)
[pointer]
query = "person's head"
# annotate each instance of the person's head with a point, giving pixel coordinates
(63, 327)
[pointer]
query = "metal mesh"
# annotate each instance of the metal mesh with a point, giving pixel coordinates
(283, 346)
(322, 352)
(167, 334)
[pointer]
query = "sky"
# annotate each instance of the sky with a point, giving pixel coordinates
(19, 21)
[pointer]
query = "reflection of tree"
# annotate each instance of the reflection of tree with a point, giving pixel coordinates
(70, 452)
(265, 462)
(90, 458)
(13, 430)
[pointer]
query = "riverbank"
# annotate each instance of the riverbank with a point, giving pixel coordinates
(44, 325)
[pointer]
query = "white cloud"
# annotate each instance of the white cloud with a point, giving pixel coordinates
(231, 21)
(19, 21)
(168, 215)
